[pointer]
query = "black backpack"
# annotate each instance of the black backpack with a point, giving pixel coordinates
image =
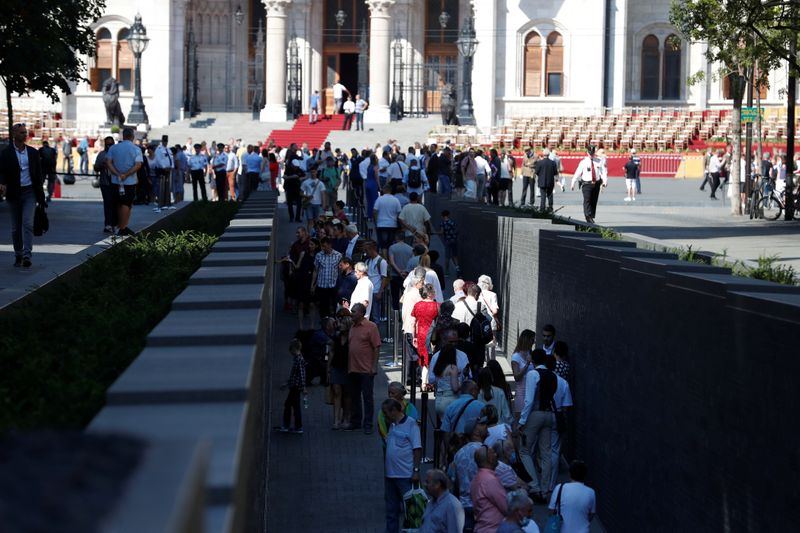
(480, 327)
(414, 178)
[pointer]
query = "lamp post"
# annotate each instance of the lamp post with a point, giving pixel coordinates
(394, 106)
(363, 62)
(293, 93)
(466, 43)
(138, 41)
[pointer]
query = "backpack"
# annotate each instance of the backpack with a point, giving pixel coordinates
(480, 327)
(414, 178)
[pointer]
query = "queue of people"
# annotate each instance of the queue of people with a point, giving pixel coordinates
(497, 449)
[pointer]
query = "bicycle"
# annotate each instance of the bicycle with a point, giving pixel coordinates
(754, 204)
(773, 203)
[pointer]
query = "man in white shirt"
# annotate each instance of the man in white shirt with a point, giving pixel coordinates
(414, 218)
(591, 177)
(578, 502)
(363, 166)
(714, 170)
(349, 110)
(362, 294)
(398, 256)
(537, 421)
(378, 274)
(230, 170)
(385, 212)
(338, 94)
(383, 166)
(312, 188)
(562, 401)
(483, 172)
(355, 246)
(467, 308)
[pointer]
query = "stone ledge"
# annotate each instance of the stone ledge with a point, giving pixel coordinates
(228, 275)
(202, 374)
(221, 259)
(221, 424)
(231, 296)
(202, 327)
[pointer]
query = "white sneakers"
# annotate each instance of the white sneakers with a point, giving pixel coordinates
(629, 199)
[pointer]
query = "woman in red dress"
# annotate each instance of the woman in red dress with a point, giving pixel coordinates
(424, 312)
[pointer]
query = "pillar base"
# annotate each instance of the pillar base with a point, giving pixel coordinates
(377, 115)
(273, 113)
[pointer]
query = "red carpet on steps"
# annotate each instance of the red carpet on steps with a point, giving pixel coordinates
(303, 132)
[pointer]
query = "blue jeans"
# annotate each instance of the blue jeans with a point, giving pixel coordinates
(22, 210)
(361, 390)
(84, 162)
(312, 212)
(395, 488)
(444, 184)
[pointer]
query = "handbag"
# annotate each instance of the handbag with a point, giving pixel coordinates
(40, 221)
(556, 521)
(414, 502)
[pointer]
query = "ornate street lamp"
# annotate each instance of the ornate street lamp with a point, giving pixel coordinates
(394, 107)
(293, 80)
(363, 62)
(444, 18)
(138, 41)
(340, 17)
(466, 43)
(239, 15)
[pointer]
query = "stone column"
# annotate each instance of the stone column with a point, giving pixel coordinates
(379, 39)
(275, 108)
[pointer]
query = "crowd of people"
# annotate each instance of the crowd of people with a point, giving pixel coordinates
(497, 448)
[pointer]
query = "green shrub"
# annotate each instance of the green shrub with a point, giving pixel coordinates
(62, 350)
(768, 269)
(606, 233)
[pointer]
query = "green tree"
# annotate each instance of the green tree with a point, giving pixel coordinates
(43, 42)
(727, 27)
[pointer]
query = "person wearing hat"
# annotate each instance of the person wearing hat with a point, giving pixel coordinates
(591, 177)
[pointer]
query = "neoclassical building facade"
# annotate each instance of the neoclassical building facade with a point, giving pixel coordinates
(532, 57)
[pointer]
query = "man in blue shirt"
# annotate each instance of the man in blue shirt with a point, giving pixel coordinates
(178, 177)
(464, 411)
(197, 168)
(252, 169)
(124, 161)
(83, 150)
(313, 113)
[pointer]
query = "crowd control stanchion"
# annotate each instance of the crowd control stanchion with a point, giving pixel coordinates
(424, 419)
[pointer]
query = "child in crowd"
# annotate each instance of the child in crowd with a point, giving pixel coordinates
(449, 233)
(297, 387)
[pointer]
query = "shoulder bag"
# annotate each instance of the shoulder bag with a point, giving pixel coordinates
(556, 521)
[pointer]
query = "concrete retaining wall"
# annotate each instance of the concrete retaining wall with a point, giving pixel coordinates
(204, 373)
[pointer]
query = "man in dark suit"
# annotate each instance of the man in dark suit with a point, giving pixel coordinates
(545, 170)
(21, 181)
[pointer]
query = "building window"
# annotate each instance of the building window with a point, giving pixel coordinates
(532, 84)
(554, 63)
(104, 60)
(650, 68)
(671, 89)
(124, 61)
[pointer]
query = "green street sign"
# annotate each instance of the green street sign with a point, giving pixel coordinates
(750, 114)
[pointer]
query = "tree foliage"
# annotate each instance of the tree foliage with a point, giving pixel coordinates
(43, 43)
(735, 48)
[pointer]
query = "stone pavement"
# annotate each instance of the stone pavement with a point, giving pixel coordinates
(323, 480)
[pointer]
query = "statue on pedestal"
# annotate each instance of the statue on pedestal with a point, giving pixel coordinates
(447, 105)
(114, 116)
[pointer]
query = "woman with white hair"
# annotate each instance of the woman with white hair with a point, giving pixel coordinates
(489, 300)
